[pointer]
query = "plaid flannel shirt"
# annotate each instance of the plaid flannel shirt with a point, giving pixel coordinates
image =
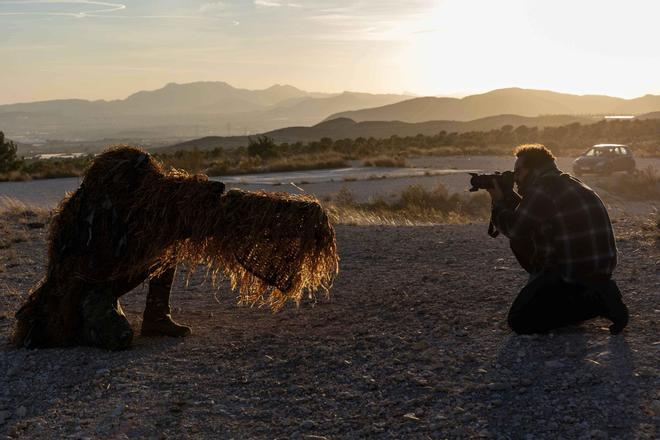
(567, 223)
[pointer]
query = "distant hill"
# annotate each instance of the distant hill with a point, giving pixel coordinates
(516, 101)
(341, 128)
(653, 115)
(179, 111)
(315, 110)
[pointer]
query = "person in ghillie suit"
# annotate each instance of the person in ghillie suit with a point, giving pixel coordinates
(132, 221)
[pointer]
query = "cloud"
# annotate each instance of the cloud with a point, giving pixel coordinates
(104, 7)
(212, 6)
(385, 20)
(94, 9)
(36, 47)
(268, 3)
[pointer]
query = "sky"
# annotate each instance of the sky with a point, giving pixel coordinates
(107, 50)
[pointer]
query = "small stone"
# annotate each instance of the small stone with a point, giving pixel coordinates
(102, 371)
(497, 386)
(307, 424)
(572, 353)
(4, 415)
(598, 434)
(118, 410)
(555, 363)
(655, 407)
(420, 345)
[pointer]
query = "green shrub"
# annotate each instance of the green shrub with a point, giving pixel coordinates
(8, 159)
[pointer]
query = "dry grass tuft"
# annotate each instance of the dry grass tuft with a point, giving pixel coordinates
(643, 185)
(652, 228)
(414, 206)
(12, 209)
(15, 218)
(385, 161)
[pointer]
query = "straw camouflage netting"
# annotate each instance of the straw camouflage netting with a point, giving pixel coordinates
(131, 220)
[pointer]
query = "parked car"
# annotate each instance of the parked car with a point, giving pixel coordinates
(605, 159)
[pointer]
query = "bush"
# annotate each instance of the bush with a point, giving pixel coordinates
(263, 147)
(8, 159)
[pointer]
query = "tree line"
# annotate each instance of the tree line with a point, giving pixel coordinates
(264, 154)
(642, 135)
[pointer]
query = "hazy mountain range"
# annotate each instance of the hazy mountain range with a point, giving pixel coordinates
(179, 112)
(522, 102)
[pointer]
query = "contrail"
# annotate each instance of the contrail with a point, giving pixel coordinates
(106, 7)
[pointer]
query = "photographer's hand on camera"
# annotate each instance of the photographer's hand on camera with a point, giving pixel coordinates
(496, 193)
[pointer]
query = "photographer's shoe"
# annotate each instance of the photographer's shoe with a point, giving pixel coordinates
(613, 307)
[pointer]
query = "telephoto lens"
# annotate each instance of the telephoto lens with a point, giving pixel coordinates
(486, 181)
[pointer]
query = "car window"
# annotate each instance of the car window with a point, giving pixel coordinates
(592, 152)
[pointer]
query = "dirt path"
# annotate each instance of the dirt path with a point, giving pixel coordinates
(412, 344)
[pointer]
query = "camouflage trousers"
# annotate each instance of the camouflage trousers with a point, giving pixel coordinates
(104, 323)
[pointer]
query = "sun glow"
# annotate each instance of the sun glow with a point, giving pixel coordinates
(585, 47)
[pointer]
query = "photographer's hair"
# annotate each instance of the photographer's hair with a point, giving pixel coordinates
(534, 155)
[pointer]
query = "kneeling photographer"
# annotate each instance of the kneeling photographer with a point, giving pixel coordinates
(560, 232)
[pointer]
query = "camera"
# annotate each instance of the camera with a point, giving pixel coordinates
(485, 181)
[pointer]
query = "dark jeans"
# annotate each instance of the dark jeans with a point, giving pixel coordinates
(548, 302)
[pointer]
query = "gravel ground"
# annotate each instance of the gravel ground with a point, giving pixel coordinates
(412, 343)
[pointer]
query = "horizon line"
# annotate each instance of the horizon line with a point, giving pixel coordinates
(412, 95)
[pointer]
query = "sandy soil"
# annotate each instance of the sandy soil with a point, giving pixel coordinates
(412, 343)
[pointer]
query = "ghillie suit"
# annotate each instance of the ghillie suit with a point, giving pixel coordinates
(130, 221)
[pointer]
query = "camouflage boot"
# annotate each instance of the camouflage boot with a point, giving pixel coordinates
(104, 322)
(157, 318)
